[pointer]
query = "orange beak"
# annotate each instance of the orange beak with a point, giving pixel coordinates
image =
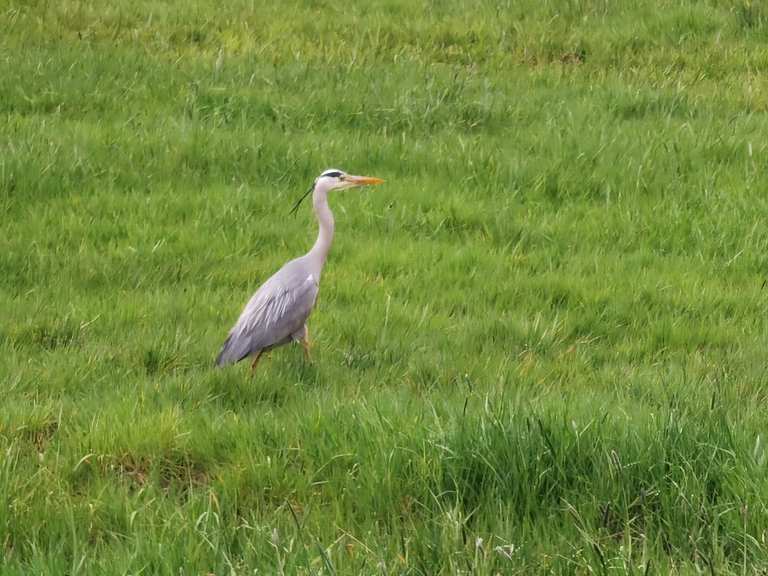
(363, 180)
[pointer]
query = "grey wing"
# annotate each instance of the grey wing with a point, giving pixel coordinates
(278, 309)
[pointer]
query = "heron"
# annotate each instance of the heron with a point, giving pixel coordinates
(277, 312)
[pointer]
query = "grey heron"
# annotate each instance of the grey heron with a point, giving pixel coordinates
(277, 312)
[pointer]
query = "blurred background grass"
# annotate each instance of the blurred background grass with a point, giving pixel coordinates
(539, 348)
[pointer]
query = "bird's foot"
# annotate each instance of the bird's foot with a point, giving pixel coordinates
(255, 362)
(307, 350)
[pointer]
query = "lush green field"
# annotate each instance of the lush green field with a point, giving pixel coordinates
(541, 347)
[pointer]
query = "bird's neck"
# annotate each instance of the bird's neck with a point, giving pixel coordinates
(322, 246)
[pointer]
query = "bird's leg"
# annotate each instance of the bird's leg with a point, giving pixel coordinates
(303, 337)
(255, 362)
(305, 343)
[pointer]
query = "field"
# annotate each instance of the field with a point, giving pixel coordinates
(540, 348)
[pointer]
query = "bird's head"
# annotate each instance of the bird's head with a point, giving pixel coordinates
(333, 179)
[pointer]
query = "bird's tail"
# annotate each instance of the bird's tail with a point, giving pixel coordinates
(225, 354)
(231, 352)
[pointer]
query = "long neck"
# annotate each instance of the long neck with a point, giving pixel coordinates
(322, 246)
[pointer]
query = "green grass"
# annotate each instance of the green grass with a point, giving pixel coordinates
(541, 347)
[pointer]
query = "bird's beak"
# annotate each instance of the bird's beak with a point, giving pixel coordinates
(362, 180)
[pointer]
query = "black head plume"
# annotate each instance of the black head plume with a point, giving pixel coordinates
(300, 200)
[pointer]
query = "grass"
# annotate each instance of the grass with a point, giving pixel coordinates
(540, 347)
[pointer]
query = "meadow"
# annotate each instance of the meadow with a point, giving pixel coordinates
(539, 348)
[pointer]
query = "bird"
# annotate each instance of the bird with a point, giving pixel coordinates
(277, 312)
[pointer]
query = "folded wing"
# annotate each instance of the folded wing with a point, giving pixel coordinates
(278, 309)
